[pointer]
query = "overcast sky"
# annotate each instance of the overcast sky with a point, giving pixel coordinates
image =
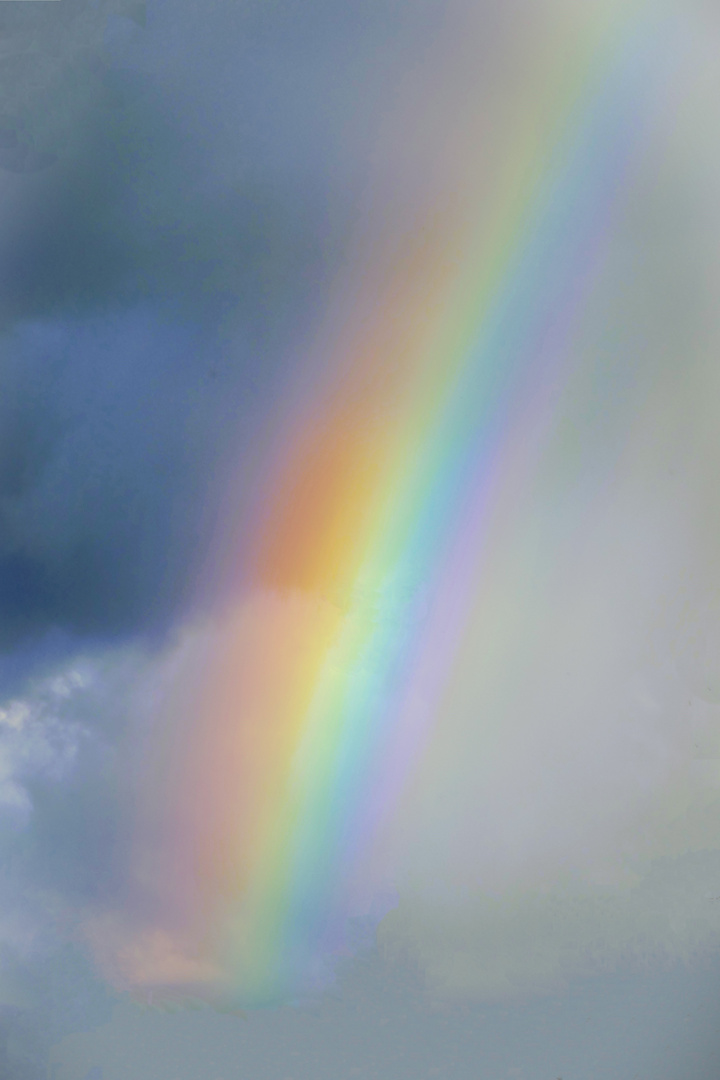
(182, 186)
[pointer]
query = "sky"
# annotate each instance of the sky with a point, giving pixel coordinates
(359, 520)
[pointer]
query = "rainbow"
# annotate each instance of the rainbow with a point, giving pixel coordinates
(443, 357)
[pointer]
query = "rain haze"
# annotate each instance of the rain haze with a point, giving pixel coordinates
(359, 522)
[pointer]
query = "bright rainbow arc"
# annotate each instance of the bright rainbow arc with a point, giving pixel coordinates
(323, 692)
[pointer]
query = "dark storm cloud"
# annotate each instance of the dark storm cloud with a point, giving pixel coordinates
(106, 469)
(127, 218)
(118, 280)
(151, 276)
(116, 276)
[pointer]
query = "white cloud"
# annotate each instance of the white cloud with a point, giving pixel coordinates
(39, 736)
